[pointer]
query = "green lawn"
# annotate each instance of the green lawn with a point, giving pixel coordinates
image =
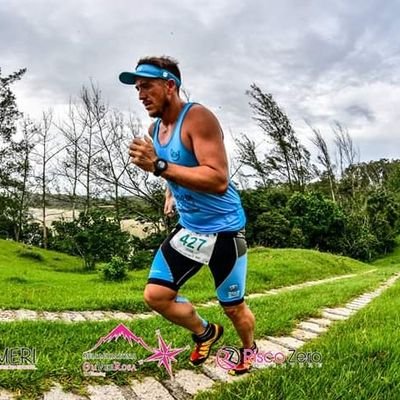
(60, 346)
(361, 361)
(58, 282)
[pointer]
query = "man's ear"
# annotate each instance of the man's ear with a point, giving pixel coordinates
(171, 84)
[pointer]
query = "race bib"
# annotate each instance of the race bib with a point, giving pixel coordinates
(196, 246)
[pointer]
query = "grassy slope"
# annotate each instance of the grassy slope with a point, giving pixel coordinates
(361, 358)
(275, 315)
(58, 282)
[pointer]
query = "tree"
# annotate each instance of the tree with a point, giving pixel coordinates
(325, 160)
(25, 149)
(247, 154)
(112, 163)
(70, 167)
(46, 151)
(289, 160)
(9, 113)
(11, 163)
(92, 116)
(93, 236)
(321, 221)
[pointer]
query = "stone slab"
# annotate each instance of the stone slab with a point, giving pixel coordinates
(103, 392)
(93, 315)
(324, 322)
(304, 335)
(333, 317)
(345, 312)
(7, 315)
(25, 315)
(287, 341)
(5, 395)
(312, 327)
(150, 389)
(56, 393)
(191, 382)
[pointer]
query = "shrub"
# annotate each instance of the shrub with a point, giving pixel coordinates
(141, 259)
(115, 270)
(31, 255)
(272, 229)
(93, 236)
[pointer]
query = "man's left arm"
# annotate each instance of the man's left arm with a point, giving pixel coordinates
(211, 175)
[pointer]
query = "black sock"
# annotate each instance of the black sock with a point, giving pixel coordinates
(207, 334)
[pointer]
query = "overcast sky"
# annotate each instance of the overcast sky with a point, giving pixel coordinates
(323, 61)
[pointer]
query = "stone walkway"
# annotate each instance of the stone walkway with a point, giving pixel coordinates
(187, 383)
(82, 316)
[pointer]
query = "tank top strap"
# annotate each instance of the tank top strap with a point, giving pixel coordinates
(181, 117)
(156, 129)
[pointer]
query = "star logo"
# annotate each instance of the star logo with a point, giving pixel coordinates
(164, 354)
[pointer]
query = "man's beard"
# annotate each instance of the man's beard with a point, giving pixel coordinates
(160, 113)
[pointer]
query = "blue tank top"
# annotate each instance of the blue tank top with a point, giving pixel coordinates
(199, 212)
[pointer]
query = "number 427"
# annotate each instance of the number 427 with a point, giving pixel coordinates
(190, 241)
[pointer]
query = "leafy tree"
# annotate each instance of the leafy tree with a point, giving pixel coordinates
(289, 160)
(93, 236)
(383, 212)
(13, 161)
(320, 220)
(9, 113)
(272, 229)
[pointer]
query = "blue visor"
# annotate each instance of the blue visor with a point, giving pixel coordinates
(148, 71)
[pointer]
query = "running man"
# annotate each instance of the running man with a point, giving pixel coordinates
(187, 150)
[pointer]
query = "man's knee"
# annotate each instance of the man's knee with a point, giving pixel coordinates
(236, 311)
(158, 297)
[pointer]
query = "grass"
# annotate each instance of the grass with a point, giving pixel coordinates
(60, 346)
(361, 360)
(44, 280)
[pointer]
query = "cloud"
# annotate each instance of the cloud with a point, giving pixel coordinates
(322, 61)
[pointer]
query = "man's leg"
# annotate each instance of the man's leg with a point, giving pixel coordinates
(181, 312)
(169, 271)
(229, 266)
(166, 302)
(243, 320)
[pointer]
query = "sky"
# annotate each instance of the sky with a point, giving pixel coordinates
(323, 61)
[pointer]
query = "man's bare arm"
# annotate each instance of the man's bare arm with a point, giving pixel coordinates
(211, 175)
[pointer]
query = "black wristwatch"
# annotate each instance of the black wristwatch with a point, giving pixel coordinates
(160, 165)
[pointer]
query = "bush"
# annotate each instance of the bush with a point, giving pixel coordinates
(321, 221)
(141, 259)
(31, 255)
(271, 229)
(154, 240)
(115, 270)
(93, 236)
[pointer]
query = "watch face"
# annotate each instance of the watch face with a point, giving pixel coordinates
(161, 164)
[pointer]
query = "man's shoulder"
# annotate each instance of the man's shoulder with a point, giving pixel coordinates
(200, 112)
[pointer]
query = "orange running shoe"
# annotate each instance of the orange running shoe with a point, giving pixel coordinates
(202, 349)
(245, 363)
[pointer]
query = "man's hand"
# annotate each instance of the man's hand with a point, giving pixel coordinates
(143, 154)
(169, 205)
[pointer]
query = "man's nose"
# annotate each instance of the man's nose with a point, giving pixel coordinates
(141, 94)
